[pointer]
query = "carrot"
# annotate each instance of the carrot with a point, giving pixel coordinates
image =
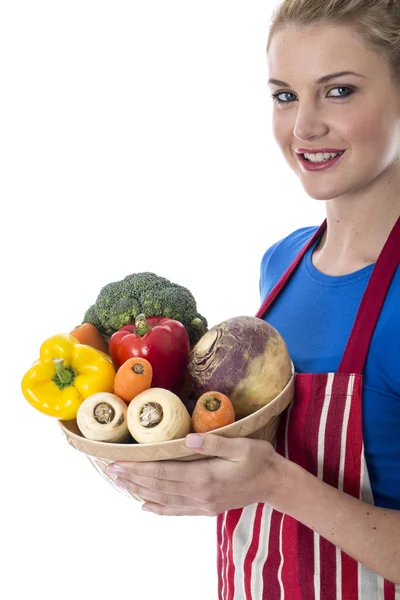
(132, 378)
(212, 411)
(89, 334)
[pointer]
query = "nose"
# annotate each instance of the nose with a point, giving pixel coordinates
(309, 123)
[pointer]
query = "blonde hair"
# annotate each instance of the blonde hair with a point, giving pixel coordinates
(377, 21)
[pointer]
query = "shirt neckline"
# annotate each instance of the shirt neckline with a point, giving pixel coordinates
(334, 280)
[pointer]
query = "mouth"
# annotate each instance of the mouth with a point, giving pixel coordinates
(320, 161)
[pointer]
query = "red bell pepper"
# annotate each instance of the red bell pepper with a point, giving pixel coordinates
(162, 341)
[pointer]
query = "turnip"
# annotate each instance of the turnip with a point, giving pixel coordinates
(244, 358)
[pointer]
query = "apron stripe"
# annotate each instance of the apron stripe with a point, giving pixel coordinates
(334, 410)
(221, 536)
(338, 574)
(315, 432)
(352, 468)
(351, 483)
(257, 581)
(328, 463)
(349, 577)
(367, 583)
(232, 520)
(252, 552)
(271, 567)
(345, 424)
(282, 596)
(391, 591)
(381, 589)
(343, 438)
(241, 543)
(290, 567)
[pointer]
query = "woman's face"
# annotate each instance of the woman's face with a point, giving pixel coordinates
(355, 113)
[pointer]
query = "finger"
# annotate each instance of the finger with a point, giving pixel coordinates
(175, 511)
(163, 469)
(161, 498)
(216, 445)
(176, 488)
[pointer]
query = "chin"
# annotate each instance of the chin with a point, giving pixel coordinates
(324, 192)
(336, 189)
(321, 195)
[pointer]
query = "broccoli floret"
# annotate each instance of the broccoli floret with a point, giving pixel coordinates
(91, 316)
(120, 302)
(197, 328)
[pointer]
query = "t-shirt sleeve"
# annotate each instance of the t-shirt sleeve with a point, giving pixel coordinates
(277, 259)
(266, 281)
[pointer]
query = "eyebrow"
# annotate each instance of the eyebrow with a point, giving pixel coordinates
(323, 79)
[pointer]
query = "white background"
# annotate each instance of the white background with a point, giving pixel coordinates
(135, 136)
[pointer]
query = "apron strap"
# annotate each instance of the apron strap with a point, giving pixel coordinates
(274, 293)
(356, 351)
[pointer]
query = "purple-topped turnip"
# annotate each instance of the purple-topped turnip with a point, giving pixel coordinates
(244, 358)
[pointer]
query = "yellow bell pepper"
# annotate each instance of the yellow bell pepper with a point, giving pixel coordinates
(66, 373)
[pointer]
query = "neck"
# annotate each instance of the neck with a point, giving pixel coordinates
(358, 226)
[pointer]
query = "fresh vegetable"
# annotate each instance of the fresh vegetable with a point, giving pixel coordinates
(89, 334)
(103, 417)
(163, 342)
(157, 415)
(212, 411)
(245, 358)
(121, 302)
(133, 378)
(66, 374)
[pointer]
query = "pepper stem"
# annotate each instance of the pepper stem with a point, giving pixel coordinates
(65, 376)
(142, 327)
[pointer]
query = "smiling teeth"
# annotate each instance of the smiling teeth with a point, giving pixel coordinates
(321, 157)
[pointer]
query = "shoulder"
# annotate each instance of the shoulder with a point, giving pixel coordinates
(283, 252)
(278, 257)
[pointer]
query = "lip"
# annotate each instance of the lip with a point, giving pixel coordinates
(310, 166)
(317, 150)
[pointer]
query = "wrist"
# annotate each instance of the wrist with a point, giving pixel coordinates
(280, 489)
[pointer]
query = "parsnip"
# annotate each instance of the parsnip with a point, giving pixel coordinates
(157, 415)
(103, 417)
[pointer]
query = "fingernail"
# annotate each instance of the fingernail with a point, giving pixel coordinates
(194, 441)
(114, 469)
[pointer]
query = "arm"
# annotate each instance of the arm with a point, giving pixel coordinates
(369, 534)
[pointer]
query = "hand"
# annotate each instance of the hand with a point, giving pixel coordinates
(239, 472)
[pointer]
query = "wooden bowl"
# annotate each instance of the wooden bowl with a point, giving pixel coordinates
(261, 425)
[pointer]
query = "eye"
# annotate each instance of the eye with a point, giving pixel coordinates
(275, 97)
(347, 92)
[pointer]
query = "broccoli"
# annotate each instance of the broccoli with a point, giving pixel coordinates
(120, 302)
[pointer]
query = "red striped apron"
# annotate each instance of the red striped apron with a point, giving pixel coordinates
(263, 554)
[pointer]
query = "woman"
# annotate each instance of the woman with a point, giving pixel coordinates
(319, 516)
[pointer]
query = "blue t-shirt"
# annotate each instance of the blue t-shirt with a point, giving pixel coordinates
(314, 314)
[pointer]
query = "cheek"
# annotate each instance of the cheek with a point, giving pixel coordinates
(366, 129)
(282, 129)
